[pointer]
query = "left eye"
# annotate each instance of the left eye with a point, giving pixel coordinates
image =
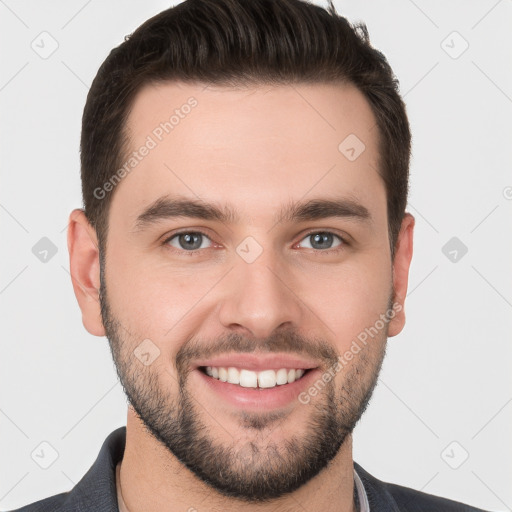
(190, 241)
(322, 240)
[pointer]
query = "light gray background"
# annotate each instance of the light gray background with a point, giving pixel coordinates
(447, 375)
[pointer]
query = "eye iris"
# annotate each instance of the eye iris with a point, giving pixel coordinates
(321, 238)
(190, 240)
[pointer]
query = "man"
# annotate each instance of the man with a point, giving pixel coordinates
(245, 248)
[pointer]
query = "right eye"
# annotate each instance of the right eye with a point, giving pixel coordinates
(188, 241)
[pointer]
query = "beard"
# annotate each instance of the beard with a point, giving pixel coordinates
(253, 468)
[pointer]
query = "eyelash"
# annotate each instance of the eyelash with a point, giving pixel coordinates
(194, 252)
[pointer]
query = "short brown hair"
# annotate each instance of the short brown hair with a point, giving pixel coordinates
(233, 43)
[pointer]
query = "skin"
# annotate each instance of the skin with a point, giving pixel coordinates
(255, 149)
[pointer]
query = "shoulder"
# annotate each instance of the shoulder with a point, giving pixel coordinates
(388, 497)
(97, 488)
(410, 500)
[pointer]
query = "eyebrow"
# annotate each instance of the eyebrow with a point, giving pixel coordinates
(166, 207)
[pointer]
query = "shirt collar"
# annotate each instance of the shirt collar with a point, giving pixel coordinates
(362, 498)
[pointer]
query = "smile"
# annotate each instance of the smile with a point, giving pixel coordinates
(251, 379)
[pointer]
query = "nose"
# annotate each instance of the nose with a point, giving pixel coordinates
(259, 298)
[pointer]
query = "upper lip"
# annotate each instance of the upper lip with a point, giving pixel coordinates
(258, 362)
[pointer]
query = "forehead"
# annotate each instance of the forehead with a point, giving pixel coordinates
(252, 147)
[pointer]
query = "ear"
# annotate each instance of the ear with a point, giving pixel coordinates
(401, 264)
(84, 265)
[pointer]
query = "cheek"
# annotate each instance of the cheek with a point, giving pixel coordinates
(349, 299)
(153, 298)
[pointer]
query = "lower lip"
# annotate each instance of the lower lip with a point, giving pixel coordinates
(260, 398)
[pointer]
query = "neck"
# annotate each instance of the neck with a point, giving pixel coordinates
(151, 478)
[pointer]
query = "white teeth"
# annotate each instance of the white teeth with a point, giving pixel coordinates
(233, 375)
(223, 374)
(250, 379)
(267, 379)
(282, 376)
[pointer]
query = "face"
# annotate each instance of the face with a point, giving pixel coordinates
(248, 236)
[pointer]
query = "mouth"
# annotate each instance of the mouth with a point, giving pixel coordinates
(254, 391)
(245, 378)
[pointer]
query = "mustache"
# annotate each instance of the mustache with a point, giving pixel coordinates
(289, 342)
